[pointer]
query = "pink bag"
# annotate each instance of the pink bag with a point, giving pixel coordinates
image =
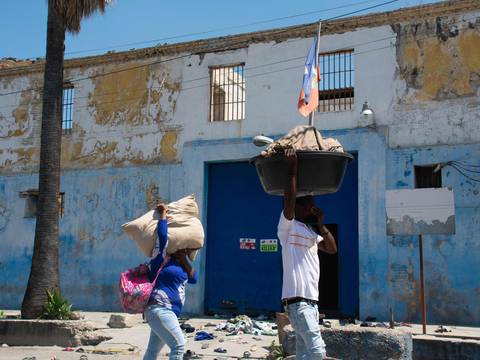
(135, 288)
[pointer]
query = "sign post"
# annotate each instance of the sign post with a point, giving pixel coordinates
(420, 212)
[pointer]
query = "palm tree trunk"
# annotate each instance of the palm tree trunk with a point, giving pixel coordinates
(44, 273)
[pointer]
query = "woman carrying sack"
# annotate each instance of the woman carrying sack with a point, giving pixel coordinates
(168, 295)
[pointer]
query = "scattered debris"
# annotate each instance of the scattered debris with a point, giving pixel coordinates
(242, 324)
(188, 328)
(367, 324)
(120, 321)
(75, 315)
(205, 345)
(189, 354)
(203, 335)
(442, 329)
(220, 350)
(247, 354)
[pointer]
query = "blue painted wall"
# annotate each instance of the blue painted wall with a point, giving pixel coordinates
(452, 263)
(94, 250)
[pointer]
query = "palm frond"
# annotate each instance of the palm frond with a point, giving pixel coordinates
(74, 11)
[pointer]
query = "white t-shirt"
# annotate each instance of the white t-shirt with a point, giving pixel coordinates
(301, 267)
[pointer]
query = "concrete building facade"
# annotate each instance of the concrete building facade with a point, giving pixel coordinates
(141, 132)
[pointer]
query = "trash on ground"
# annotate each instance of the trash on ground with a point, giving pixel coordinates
(442, 329)
(187, 327)
(189, 354)
(242, 324)
(220, 350)
(203, 335)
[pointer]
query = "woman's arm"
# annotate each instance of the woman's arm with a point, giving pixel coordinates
(162, 229)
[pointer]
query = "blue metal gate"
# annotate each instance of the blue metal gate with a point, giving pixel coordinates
(243, 270)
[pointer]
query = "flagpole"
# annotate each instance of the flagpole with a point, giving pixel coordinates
(312, 114)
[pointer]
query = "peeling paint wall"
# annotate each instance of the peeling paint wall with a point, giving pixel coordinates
(437, 82)
(141, 133)
(450, 285)
(119, 119)
(93, 248)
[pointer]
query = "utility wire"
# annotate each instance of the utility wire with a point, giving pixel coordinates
(467, 165)
(222, 29)
(263, 65)
(459, 164)
(246, 69)
(187, 55)
(461, 172)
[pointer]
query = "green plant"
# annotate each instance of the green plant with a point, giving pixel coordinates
(276, 352)
(56, 307)
(2, 314)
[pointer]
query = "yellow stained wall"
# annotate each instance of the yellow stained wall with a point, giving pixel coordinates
(436, 67)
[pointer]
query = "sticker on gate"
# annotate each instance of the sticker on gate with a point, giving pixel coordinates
(268, 245)
(248, 244)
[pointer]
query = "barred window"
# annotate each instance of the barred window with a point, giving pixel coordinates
(428, 176)
(227, 92)
(336, 92)
(67, 108)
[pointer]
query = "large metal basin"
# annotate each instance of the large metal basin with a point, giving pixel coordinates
(319, 172)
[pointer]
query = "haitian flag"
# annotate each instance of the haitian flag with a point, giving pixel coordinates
(308, 100)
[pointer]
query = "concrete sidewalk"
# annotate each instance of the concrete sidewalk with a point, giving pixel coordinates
(130, 343)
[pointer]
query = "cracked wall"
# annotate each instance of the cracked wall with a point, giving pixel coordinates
(437, 82)
(440, 59)
(119, 119)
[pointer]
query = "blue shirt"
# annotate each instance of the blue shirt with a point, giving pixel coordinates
(169, 290)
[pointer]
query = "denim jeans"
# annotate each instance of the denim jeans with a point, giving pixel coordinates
(165, 329)
(304, 319)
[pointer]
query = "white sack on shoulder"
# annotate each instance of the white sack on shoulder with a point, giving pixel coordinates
(185, 231)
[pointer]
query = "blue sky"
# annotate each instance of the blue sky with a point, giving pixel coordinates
(131, 21)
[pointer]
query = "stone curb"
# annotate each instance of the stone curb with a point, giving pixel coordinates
(49, 333)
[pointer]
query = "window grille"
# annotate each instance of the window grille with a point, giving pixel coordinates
(67, 108)
(336, 92)
(227, 92)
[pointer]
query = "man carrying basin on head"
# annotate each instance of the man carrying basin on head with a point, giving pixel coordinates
(301, 266)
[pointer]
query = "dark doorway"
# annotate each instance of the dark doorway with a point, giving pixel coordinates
(328, 284)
